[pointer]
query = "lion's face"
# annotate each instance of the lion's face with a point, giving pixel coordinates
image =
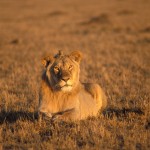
(62, 71)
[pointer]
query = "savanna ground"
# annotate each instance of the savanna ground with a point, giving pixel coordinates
(113, 35)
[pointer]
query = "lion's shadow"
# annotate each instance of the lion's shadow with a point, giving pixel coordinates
(110, 112)
(13, 116)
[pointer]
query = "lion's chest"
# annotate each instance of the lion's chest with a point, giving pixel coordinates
(58, 103)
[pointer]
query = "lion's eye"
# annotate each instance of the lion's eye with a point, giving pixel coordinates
(70, 67)
(56, 70)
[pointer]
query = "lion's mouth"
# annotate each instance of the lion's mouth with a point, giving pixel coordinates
(66, 85)
(63, 86)
(66, 88)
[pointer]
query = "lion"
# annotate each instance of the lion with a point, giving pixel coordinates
(62, 95)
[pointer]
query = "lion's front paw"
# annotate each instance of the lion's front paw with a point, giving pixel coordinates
(56, 117)
(44, 116)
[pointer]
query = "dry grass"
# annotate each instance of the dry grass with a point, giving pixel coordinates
(115, 37)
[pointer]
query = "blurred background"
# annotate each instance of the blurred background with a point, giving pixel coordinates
(114, 37)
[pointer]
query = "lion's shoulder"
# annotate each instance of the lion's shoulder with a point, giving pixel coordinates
(93, 88)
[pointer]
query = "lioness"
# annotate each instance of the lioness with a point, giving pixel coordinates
(62, 95)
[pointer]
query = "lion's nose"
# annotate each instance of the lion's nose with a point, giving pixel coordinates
(65, 79)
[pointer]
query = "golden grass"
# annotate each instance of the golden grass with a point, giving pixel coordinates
(115, 37)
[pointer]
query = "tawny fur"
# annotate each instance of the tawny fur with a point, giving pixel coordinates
(83, 100)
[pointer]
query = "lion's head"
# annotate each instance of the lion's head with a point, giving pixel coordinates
(62, 71)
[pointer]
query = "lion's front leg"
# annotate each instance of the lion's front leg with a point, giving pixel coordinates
(69, 114)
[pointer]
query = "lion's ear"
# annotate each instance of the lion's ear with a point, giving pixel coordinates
(47, 60)
(76, 55)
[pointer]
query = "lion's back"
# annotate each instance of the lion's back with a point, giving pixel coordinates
(92, 99)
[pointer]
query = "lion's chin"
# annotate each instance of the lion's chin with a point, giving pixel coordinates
(66, 88)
